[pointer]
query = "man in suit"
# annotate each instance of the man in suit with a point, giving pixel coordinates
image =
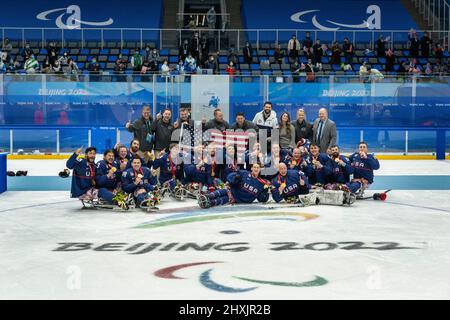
(324, 131)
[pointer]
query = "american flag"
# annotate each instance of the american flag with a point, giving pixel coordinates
(239, 139)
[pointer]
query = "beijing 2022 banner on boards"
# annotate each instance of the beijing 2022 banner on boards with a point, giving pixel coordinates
(209, 92)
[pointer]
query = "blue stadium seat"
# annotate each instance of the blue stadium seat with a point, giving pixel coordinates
(173, 59)
(325, 60)
(43, 51)
(84, 51)
(223, 60)
(164, 52)
(104, 51)
(382, 60)
(112, 58)
(336, 67)
(125, 52)
(254, 66)
(270, 52)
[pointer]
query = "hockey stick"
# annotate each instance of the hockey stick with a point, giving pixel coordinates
(377, 196)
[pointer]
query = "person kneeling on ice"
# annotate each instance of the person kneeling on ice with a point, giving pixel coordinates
(242, 187)
(289, 184)
(107, 177)
(83, 177)
(363, 165)
(140, 182)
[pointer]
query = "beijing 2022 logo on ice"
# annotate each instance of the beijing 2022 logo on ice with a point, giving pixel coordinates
(73, 21)
(371, 23)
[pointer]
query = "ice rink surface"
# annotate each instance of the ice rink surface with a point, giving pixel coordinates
(52, 249)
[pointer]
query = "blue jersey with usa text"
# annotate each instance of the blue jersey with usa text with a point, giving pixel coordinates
(293, 187)
(83, 176)
(101, 175)
(148, 181)
(363, 168)
(339, 173)
(201, 174)
(245, 188)
(318, 175)
(169, 167)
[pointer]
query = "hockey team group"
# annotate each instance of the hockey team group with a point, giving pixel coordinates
(220, 174)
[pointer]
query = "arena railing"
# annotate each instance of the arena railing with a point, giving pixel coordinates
(222, 38)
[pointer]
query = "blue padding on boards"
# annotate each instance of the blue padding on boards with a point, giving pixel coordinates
(31, 183)
(3, 185)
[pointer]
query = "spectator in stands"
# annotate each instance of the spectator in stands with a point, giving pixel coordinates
(136, 61)
(267, 118)
(154, 58)
(307, 42)
(162, 129)
(120, 67)
(94, 69)
(324, 131)
(293, 48)
(403, 68)
(242, 124)
(57, 68)
(309, 69)
(428, 69)
(46, 66)
(413, 68)
(63, 61)
(440, 69)
(147, 53)
(31, 65)
(26, 52)
(4, 56)
(204, 47)
(232, 56)
(218, 122)
(425, 44)
(375, 74)
(347, 48)
(303, 129)
(211, 18)
(195, 46)
(381, 46)
(231, 69)
(16, 65)
(390, 61)
(7, 46)
(309, 53)
(190, 64)
(248, 53)
(287, 132)
(279, 54)
(72, 69)
(414, 44)
(142, 129)
(211, 63)
(180, 67)
(165, 69)
(296, 69)
(335, 54)
(52, 52)
(438, 51)
(317, 54)
(184, 49)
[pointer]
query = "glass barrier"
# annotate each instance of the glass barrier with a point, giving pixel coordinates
(393, 114)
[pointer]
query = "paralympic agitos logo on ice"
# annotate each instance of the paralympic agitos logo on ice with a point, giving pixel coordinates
(73, 20)
(371, 23)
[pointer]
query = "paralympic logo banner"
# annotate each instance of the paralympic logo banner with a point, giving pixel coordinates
(209, 92)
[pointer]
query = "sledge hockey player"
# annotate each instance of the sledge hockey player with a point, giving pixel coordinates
(242, 187)
(231, 162)
(199, 172)
(296, 161)
(289, 184)
(341, 169)
(140, 182)
(171, 176)
(363, 165)
(123, 155)
(83, 177)
(318, 168)
(107, 178)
